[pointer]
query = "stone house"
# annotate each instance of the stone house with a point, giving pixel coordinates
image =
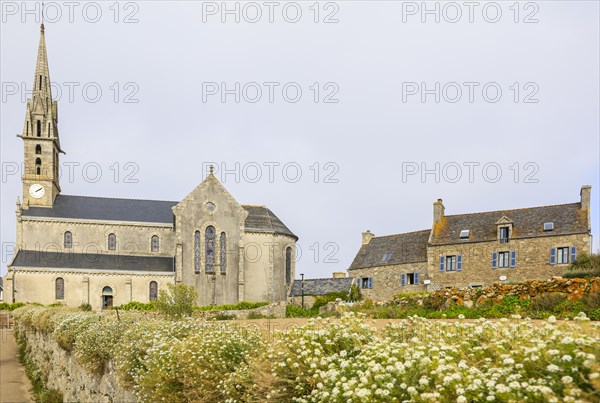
(107, 251)
(475, 249)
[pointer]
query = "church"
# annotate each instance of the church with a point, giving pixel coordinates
(107, 252)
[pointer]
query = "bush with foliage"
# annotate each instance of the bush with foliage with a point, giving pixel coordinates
(584, 266)
(240, 306)
(177, 301)
(4, 306)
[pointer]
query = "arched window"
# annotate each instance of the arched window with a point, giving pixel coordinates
(210, 249)
(68, 240)
(112, 242)
(60, 288)
(38, 166)
(223, 246)
(197, 251)
(153, 290)
(38, 149)
(288, 265)
(39, 128)
(154, 243)
(107, 297)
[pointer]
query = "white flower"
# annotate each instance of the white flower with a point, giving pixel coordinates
(553, 368)
(552, 319)
(566, 380)
(461, 399)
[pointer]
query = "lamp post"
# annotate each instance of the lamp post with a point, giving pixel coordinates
(302, 287)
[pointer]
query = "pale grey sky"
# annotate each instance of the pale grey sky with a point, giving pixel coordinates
(357, 156)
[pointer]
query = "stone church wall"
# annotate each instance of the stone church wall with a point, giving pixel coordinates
(92, 237)
(39, 286)
(264, 266)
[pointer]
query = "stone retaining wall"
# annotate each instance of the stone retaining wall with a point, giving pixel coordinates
(64, 374)
(572, 288)
(276, 310)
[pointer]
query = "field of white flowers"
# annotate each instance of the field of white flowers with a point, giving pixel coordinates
(333, 360)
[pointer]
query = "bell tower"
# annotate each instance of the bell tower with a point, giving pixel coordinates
(40, 138)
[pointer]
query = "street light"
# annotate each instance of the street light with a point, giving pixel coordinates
(302, 287)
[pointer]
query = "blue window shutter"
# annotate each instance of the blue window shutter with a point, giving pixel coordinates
(403, 279)
(513, 258)
(441, 263)
(573, 254)
(416, 278)
(494, 260)
(370, 282)
(459, 263)
(359, 280)
(553, 256)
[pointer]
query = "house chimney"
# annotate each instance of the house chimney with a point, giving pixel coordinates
(339, 274)
(366, 237)
(585, 194)
(438, 211)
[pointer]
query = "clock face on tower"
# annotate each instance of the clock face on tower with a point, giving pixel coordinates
(36, 191)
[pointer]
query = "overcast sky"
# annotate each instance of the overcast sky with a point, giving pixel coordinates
(517, 88)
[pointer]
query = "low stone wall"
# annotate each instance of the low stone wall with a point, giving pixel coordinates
(64, 374)
(276, 310)
(572, 288)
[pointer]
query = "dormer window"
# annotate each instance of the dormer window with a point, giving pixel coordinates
(504, 234)
(549, 226)
(386, 257)
(464, 234)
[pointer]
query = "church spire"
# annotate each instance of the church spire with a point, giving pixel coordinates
(40, 136)
(41, 80)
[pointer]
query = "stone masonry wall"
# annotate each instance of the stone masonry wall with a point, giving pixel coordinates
(533, 261)
(386, 280)
(573, 289)
(67, 376)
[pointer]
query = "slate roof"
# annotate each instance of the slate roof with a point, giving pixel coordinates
(320, 286)
(103, 208)
(409, 247)
(40, 259)
(260, 218)
(527, 222)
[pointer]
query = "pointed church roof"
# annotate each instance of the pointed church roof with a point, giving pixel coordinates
(41, 68)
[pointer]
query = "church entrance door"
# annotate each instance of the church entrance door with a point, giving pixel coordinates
(107, 297)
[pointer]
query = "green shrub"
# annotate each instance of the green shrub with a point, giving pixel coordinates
(547, 302)
(293, 311)
(177, 301)
(85, 307)
(257, 315)
(137, 306)
(223, 316)
(95, 344)
(240, 306)
(330, 297)
(10, 307)
(67, 331)
(591, 301)
(585, 266)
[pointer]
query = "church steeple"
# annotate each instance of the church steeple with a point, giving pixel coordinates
(40, 137)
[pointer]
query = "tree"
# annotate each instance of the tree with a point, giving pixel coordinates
(177, 301)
